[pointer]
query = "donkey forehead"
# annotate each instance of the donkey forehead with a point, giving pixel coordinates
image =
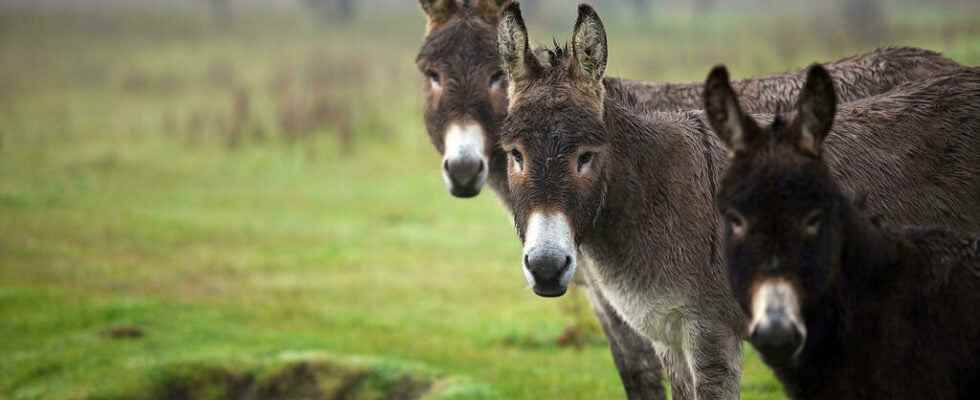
(553, 122)
(773, 187)
(557, 138)
(461, 44)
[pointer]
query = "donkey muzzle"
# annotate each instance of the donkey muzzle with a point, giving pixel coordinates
(464, 176)
(464, 164)
(548, 267)
(777, 329)
(549, 254)
(777, 338)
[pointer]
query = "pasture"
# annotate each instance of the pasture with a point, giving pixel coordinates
(185, 207)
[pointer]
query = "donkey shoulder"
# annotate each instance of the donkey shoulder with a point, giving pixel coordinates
(949, 259)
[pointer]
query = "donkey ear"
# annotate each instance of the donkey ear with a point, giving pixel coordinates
(589, 46)
(438, 12)
(817, 106)
(735, 129)
(512, 44)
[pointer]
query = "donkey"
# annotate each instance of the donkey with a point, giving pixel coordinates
(634, 195)
(839, 306)
(466, 101)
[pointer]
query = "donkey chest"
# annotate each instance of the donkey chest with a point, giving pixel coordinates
(657, 310)
(862, 381)
(878, 359)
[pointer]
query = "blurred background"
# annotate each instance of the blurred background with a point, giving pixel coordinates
(236, 198)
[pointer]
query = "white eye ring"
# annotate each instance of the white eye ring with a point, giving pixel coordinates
(738, 224)
(434, 79)
(584, 161)
(813, 223)
(497, 81)
(518, 160)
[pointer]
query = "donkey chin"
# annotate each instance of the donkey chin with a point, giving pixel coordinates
(549, 254)
(464, 165)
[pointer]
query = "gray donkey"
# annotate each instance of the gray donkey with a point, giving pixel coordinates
(633, 195)
(466, 101)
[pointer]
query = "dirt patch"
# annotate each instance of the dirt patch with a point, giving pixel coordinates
(305, 379)
(123, 332)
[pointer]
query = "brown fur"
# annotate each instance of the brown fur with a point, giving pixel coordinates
(461, 50)
(890, 312)
(647, 219)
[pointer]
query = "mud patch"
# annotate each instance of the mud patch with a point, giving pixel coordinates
(310, 378)
(123, 332)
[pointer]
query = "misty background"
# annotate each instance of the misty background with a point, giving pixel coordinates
(237, 199)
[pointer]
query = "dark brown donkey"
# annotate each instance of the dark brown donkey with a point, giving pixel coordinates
(838, 306)
(466, 101)
(634, 195)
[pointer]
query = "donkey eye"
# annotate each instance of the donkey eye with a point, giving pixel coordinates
(737, 223)
(518, 158)
(496, 80)
(433, 77)
(811, 225)
(584, 160)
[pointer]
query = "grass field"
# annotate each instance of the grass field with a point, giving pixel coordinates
(156, 233)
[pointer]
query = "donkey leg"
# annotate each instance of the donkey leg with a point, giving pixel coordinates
(681, 382)
(637, 362)
(714, 356)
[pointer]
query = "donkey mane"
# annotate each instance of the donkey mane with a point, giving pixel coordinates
(556, 59)
(557, 54)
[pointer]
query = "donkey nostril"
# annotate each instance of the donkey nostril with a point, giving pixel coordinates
(445, 165)
(480, 170)
(568, 262)
(527, 262)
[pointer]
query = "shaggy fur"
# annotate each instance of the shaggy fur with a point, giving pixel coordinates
(857, 77)
(644, 213)
(463, 51)
(460, 48)
(890, 313)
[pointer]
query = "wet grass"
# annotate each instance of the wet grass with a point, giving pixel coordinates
(142, 253)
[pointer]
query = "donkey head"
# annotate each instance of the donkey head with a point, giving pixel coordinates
(556, 144)
(465, 90)
(781, 208)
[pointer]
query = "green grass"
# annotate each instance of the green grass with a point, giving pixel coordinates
(117, 211)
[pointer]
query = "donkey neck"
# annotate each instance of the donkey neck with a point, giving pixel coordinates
(869, 254)
(658, 205)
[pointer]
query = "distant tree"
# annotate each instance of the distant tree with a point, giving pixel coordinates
(530, 6)
(641, 6)
(332, 10)
(639, 9)
(220, 11)
(704, 6)
(864, 18)
(344, 8)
